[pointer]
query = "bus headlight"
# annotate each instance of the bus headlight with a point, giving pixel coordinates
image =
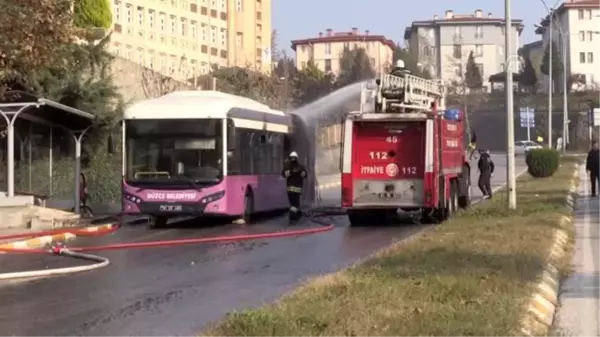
(132, 198)
(213, 197)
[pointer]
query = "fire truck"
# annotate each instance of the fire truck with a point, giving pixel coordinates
(403, 150)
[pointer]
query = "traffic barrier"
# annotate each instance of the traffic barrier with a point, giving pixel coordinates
(542, 306)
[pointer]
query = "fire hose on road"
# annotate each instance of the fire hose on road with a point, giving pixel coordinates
(100, 262)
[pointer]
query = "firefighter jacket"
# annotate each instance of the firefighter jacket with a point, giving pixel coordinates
(295, 174)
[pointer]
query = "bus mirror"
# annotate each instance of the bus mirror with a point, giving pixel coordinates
(110, 145)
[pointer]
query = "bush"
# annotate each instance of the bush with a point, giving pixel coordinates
(542, 163)
(92, 14)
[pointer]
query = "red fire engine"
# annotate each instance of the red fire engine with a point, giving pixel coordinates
(404, 150)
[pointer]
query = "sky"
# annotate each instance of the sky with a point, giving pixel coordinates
(306, 18)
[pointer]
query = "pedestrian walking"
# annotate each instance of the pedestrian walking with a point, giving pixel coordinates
(592, 166)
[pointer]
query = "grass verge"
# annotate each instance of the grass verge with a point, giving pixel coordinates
(470, 276)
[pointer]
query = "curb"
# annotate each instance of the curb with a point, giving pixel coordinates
(544, 301)
(43, 241)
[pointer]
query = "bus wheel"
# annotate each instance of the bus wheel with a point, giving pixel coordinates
(159, 222)
(248, 207)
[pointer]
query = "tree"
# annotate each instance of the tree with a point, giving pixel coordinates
(527, 77)
(410, 63)
(274, 46)
(355, 66)
(473, 78)
(557, 65)
(34, 32)
(92, 14)
(310, 83)
(285, 68)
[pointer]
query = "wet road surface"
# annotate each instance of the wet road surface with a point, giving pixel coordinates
(178, 290)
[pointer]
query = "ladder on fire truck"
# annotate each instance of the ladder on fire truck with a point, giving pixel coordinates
(407, 93)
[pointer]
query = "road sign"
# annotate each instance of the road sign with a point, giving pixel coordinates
(527, 117)
(594, 117)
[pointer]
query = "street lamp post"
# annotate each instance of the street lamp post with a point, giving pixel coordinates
(510, 126)
(550, 80)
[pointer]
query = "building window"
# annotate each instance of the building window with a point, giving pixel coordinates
(258, 15)
(204, 68)
(590, 35)
(373, 62)
(589, 14)
(203, 31)
(161, 18)
(151, 61)
(480, 67)
(182, 27)
(193, 28)
(173, 24)
(590, 58)
(223, 5)
(129, 14)
(457, 31)
(140, 12)
(327, 66)
(258, 29)
(457, 52)
(117, 11)
(213, 35)
(128, 53)
(328, 49)
(213, 3)
(151, 18)
(581, 57)
(581, 35)
(431, 33)
(478, 50)
(223, 38)
(141, 56)
(580, 12)
(239, 5)
(163, 63)
(478, 32)
(239, 40)
(432, 51)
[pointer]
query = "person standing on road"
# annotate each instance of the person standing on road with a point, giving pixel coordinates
(295, 173)
(486, 170)
(472, 144)
(592, 166)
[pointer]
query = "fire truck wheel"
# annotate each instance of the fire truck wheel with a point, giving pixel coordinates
(454, 195)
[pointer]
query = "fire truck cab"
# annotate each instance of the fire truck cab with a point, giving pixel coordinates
(404, 150)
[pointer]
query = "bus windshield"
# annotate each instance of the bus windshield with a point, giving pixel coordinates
(174, 152)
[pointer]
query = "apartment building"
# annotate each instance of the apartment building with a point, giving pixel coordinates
(576, 29)
(326, 49)
(442, 45)
(182, 38)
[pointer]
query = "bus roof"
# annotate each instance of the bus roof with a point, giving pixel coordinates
(195, 104)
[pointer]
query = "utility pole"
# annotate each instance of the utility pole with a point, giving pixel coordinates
(510, 123)
(565, 132)
(550, 79)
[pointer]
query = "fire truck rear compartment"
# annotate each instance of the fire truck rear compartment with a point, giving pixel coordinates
(388, 160)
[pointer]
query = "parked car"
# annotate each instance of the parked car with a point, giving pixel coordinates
(523, 146)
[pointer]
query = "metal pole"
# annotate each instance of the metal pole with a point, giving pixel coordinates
(30, 157)
(77, 172)
(50, 169)
(550, 80)
(10, 149)
(528, 124)
(510, 126)
(565, 132)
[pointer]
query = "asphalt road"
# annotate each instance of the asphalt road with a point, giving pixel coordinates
(179, 290)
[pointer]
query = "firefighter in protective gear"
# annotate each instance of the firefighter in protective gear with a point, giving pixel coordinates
(486, 170)
(295, 174)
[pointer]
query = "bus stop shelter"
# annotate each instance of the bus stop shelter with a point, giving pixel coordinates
(53, 115)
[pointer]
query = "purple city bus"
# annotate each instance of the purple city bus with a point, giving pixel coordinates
(194, 153)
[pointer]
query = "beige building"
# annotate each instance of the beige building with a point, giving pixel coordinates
(443, 44)
(576, 31)
(325, 50)
(181, 38)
